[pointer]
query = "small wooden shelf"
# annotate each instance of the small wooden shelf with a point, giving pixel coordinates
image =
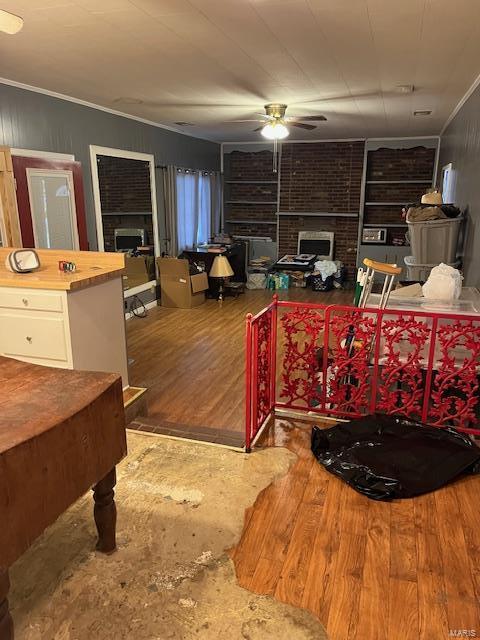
(251, 182)
(128, 213)
(317, 214)
(385, 204)
(399, 181)
(406, 247)
(268, 202)
(389, 225)
(271, 222)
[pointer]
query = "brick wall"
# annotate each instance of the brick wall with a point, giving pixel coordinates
(386, 164)
(415, 163)
(255, 165)
(124, 184)
(345, 230)
(246, 202)
(323, 176)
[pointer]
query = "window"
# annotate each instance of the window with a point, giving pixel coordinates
(448, 184)
(194, 208)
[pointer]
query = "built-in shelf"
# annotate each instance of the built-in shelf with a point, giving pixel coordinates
(318, 214)
(251, 181)
(385, 204)
(386, 224)
(126, 213)
(251, 221)
(251, 202)
(399, 181)
(406, 247)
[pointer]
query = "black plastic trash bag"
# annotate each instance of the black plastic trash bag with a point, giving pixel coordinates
(386, 457)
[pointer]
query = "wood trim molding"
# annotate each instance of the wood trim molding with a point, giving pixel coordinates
(9, 220)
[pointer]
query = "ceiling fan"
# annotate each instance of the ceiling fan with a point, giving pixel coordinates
(274, 123)
(9, 22)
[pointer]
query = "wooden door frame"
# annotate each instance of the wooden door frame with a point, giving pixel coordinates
(8, 201)
(47, 162)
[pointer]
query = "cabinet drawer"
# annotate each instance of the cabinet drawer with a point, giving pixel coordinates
(33, 336)
(11, 298)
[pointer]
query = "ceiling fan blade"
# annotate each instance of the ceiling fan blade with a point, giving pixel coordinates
(313, 118)
(258, 128)
(247, 120)
(300, 125)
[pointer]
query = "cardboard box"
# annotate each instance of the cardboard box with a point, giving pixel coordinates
(138, 271)
(178, 287)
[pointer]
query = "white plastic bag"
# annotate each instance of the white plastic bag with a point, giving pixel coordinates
(444, 283)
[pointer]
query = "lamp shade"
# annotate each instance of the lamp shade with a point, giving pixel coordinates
(221, 268)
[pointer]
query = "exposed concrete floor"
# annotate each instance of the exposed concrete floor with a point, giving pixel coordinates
(180, 507)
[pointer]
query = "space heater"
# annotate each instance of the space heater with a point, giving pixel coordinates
(127, 239)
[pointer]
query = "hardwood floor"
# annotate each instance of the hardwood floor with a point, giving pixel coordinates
(192, 361)
(405, 570)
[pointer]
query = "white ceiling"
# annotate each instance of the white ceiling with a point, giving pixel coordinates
(210, 61)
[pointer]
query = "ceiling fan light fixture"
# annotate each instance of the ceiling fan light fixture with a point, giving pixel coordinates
(9, 22)
(275, 130)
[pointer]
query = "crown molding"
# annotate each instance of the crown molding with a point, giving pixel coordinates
(460, 104)
(99, 107)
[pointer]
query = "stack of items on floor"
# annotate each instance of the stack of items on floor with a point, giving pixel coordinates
(433, 230)
(297, 271)
(322, 275)
(257, 272)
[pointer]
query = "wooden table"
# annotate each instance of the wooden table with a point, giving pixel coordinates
(61, 433)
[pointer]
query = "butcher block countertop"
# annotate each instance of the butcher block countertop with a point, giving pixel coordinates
(93, 267)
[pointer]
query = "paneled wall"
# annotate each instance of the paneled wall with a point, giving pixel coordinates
(31, 120)
(460, 145)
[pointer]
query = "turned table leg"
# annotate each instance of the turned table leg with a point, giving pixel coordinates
(6, 622)
(105, 512)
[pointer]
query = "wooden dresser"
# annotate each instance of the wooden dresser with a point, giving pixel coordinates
(67, 320)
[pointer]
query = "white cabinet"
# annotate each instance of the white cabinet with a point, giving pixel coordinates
(74, 329)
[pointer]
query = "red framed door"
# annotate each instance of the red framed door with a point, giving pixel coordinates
(57, 177)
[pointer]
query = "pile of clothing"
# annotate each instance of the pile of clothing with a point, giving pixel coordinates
(430, 208)
(326, 275)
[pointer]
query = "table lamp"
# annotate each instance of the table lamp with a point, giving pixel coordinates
(221, 269)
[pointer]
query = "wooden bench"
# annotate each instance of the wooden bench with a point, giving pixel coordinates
(61, 433)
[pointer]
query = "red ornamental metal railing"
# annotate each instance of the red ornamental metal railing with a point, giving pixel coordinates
(344, 362)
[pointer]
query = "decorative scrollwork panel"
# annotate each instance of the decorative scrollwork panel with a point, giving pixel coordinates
(455, 386)
(351, 340)
(403, 357)
(264, 367)
(301, 330)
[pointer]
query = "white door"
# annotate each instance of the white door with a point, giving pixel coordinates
(52, 204)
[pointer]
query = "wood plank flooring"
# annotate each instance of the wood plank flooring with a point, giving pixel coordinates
(192, 361)
(406, 570)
